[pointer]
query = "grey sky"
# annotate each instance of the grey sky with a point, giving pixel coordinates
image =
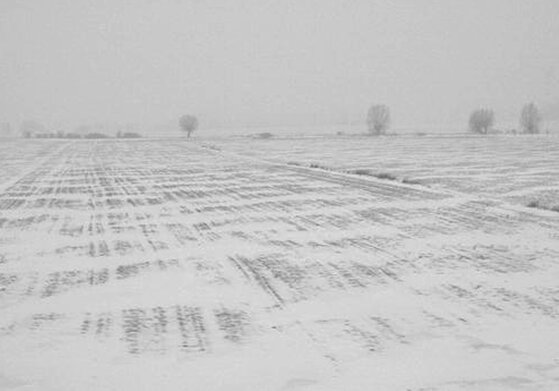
(235, 63)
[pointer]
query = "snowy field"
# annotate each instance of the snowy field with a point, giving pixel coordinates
(233, 265)
(518, 169)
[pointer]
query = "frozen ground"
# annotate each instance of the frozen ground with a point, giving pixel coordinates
(175, 265)
(518, 169)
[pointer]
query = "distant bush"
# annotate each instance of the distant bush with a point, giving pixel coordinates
(408, 181)
(59, 134)
(264, 135)
(533, 204)
(95, 135)
(362, 171)
(539, 205)
(385, 175)
(29, 128)
(380, 175)
(128, 135)
(316, 165)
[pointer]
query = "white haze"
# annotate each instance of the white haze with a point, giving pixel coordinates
(274, 63)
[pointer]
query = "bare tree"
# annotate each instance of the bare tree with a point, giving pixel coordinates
(188, 124)
(530, 119)
(378, 119)
(481, 120)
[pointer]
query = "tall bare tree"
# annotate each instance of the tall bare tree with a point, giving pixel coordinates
(530, 119)
(481, 121)
(188, 124)
(378, 119)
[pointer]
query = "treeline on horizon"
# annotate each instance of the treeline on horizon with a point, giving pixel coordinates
(378, 121)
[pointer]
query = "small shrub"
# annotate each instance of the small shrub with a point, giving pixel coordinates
(362, 171)
(533, 204)
(321, 167)
(264, 135)
(408, 181)
(385, 175)
(366, 172)
(537, 204)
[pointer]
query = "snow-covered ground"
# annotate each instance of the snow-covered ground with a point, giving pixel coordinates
(215, 265)
(514, 168)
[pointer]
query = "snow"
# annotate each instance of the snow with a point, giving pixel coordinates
(166, 264)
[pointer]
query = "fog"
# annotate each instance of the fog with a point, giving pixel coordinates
(251, 63)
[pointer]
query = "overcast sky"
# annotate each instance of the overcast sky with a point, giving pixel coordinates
(236, 63)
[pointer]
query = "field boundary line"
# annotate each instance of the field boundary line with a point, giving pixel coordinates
(356, 181)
